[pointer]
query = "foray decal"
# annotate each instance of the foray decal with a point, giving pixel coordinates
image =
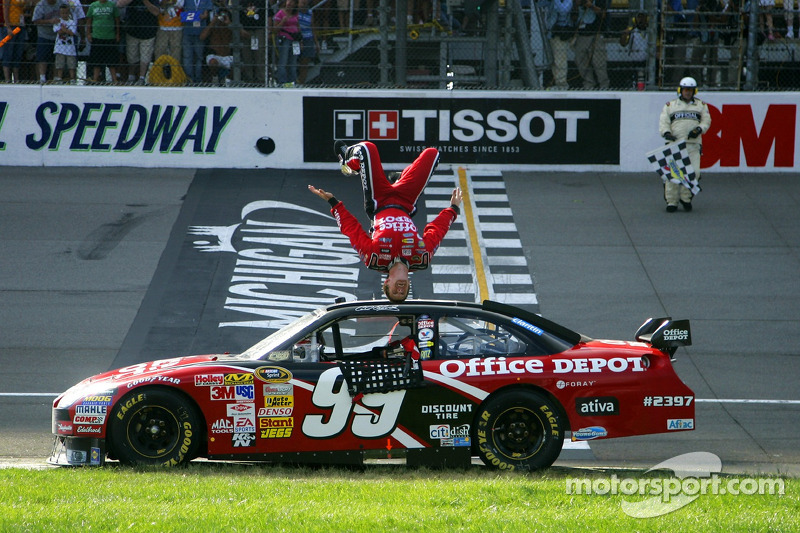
(283, 270)
(107, 127)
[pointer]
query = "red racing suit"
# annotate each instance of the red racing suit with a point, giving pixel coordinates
(394, 235)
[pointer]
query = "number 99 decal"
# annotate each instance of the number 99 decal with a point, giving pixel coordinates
(376, 416)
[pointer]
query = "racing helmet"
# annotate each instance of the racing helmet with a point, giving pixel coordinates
(688, 83)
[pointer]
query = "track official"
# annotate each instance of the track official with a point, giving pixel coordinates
(685, 118)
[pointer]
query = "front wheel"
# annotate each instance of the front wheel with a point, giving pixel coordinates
(519, 430)
(154, 427)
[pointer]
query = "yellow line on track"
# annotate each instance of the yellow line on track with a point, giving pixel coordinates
(477, 256)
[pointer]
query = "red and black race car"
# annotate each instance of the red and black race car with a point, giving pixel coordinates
(431, 382)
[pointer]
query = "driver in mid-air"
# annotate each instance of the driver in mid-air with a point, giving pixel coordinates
(395, 246)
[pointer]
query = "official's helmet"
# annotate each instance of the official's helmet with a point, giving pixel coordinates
(688, 83)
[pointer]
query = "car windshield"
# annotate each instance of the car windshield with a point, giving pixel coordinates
(268, 344)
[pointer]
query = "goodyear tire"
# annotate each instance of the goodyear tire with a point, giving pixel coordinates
(519, 430)
(154, 427)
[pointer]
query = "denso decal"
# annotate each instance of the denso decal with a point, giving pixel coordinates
(589, 433)
(597, 406)
(680, 423)
(267, 412)
(203, 380)
(272, 374)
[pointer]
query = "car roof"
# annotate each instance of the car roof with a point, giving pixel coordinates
(490, 306)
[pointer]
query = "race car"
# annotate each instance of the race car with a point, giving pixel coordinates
(423, 382)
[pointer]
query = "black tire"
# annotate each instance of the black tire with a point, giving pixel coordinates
(154, 427)
(519, 430)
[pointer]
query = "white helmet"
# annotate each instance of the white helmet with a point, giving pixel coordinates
(688, 83)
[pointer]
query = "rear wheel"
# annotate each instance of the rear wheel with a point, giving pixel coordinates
(519, 430)
(154, 427)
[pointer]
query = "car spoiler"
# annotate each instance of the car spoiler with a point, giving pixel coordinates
(665, 334)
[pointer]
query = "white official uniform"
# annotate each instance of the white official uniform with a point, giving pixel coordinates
(680, 118)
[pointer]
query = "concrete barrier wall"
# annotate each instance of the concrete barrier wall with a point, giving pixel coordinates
(263, 128)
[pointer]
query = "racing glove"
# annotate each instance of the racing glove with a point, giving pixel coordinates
(695, 132)
(670, 137)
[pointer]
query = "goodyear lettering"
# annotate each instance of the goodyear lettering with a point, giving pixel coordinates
(184, 447)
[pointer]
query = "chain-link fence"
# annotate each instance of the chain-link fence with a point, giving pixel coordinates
(418, 44)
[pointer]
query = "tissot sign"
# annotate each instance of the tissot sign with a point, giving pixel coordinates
(468, 130)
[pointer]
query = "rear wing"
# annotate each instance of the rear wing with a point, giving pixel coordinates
(665, 334)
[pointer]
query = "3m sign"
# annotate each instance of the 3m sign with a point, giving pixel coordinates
(734, 132)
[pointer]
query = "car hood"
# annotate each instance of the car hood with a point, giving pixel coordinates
(113, 379)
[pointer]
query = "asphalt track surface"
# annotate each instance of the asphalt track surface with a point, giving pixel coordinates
(104, 267)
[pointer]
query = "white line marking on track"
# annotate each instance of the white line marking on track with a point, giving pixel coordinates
(698, 400)
(745, 400)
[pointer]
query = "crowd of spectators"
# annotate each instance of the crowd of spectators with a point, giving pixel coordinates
(176, 42)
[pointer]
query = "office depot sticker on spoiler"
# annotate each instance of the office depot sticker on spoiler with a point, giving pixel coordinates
(493, 366)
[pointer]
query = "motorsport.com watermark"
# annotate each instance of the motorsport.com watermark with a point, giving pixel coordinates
(696, 474)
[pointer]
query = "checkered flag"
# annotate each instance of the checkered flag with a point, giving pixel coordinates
(672, 163)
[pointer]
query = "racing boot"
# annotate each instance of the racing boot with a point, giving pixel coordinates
(349, 164)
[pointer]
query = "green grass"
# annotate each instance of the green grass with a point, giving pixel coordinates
(214, 497)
